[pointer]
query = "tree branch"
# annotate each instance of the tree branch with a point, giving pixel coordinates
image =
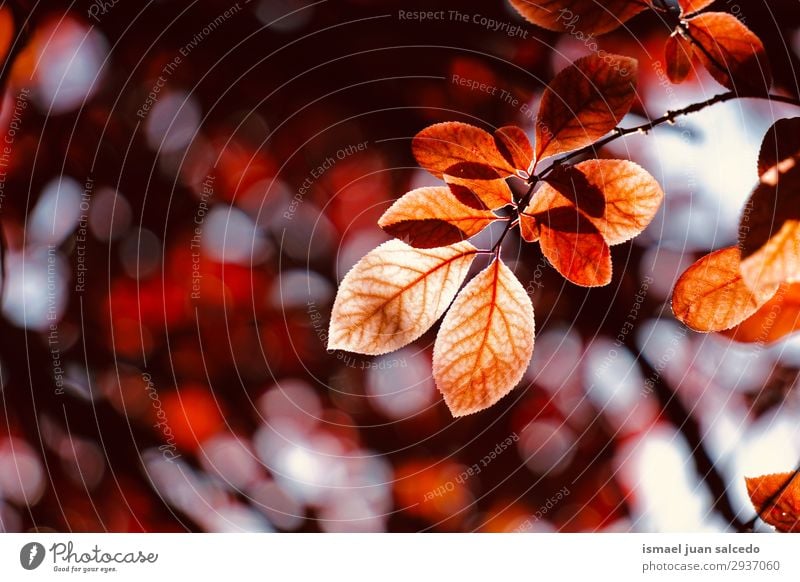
(672, 406)
(681, 418)
(619, 132)
(668, 117)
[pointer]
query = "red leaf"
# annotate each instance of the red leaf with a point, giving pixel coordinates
(586, 16)
(619, 197)
(485, 342)
(781, 511)
(460, 150)
(780, 148)
(678, 56)
(580, 210)
(733, 55)
(691, 6)
(516, 148)
(480, 194)
(395, 294)
(433, 217)
(574, 246)
(529, 228)
(769, 231)
(584, 102)
(777, 318)
(712, 296)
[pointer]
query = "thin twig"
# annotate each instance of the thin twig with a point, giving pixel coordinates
(668, 117)
(620, 132)
(523, 203)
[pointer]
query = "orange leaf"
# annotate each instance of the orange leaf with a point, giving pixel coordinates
(777, 318)
(574, 246)
(769, 231)
(692, 6)
(584, 102)
(528, 228)
(394, 294)
(619, 197)
(731, 52)
(678, 56)
(781, 511)
(586, 16)
(433, 217)
(712, 296)
(780, 148)
(480, 194)
(485, 342)
(460, 150)
(516, 148)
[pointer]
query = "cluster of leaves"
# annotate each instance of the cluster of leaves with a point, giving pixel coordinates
(751, 291)
(730, 51)
(575, 212)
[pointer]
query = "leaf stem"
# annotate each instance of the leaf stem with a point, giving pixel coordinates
(513, 221)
